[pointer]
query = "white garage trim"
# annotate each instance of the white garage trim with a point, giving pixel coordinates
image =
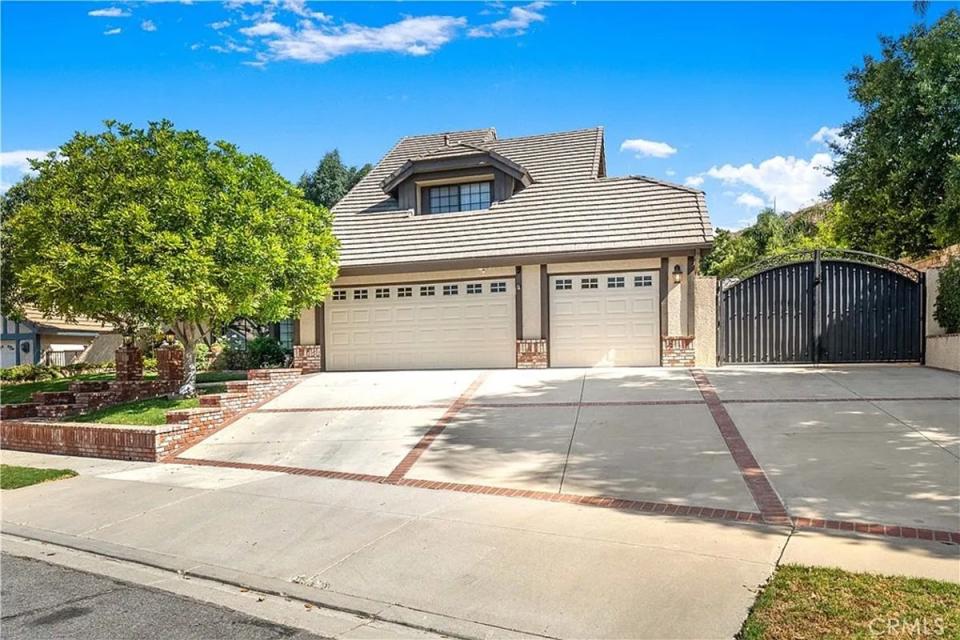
(609, 318)
(440, 324)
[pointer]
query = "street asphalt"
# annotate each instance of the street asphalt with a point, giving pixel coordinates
(41, 601)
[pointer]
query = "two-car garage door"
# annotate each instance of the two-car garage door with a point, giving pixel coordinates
(424, 325)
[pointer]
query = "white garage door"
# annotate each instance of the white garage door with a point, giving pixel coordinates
(605, 319)
(424, 325)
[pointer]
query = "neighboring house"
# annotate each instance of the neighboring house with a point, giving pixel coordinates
(465, 250)
(37, 339)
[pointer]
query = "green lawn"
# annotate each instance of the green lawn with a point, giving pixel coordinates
(805, 602)
(141, 412)
(12, 477)
(221, 376)
(20, 392)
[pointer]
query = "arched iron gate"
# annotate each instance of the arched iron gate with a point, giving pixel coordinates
(822, 306)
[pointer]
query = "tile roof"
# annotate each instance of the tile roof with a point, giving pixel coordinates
(569, 208)
(54, 324)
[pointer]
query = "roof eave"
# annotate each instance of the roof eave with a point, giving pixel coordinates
(544, 257)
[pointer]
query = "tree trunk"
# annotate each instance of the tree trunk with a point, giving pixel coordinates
(189, 334)
(188, 386)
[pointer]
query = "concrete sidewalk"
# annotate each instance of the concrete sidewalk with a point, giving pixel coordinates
(461, 564)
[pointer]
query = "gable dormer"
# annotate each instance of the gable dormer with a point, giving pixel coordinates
(455, 177)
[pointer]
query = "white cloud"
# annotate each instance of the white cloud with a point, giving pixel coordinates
(670, 173)
(111, 12)
(411, 36)
(648, 148)
(791, 182)
(829, 136)
(300, 8)
(15, 164)
(223, 24)
(750, 201)
(266, 29)
(229, 47)
(148, 25)
(694, 181)
(518, 20)
(112, 32)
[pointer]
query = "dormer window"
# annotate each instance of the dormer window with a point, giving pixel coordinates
(471, 196)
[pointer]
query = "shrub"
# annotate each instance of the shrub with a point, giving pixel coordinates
(231, 355)
(947, 309)
(202, 352)
(266, 351)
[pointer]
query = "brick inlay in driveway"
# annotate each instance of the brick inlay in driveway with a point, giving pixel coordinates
(764, 495)
(607, 502)
(411, 458)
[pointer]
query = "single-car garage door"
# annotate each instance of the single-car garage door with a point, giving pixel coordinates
(423, 325)
(605, 319)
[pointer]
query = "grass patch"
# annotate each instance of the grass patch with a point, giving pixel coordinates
(12, 477)
(221, 376)
(806, 602)
(20, 392)
(141, 413)
(213, 388)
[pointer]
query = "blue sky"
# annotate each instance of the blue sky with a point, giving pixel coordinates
(736, 99)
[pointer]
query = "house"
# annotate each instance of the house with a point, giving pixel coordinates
(465, 250)
(39, 339)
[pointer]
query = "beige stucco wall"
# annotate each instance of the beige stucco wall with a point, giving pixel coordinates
(530, 299)
(677, 300)
(425, 276)
(943, 351)
(609, 265)
(308, 326)
(705, 320)
(933, 287)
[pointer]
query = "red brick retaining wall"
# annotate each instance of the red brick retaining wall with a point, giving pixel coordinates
(183, 429)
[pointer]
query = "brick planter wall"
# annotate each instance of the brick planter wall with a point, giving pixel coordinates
(129, 363)
(678, 351)
(18, 411)
(532, 354)
(308, 357)
(183, 429)
(170, 363)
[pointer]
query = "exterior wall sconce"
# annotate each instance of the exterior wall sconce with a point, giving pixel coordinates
(677, 274)
(170, 336)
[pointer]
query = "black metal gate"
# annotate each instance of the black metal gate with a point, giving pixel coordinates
(822, 306)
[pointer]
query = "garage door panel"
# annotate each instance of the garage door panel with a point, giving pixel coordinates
(610, 325)
(422, 331)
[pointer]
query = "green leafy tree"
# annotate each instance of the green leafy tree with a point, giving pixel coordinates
(159, 227)
(331, 180)
(899, 175)
(947, 307)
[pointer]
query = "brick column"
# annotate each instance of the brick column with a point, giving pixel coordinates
(532, 354)
(678, 351)
(308, 357)
(170, 364)
(129, 361)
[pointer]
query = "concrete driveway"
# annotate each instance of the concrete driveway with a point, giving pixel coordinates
(846, 444)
